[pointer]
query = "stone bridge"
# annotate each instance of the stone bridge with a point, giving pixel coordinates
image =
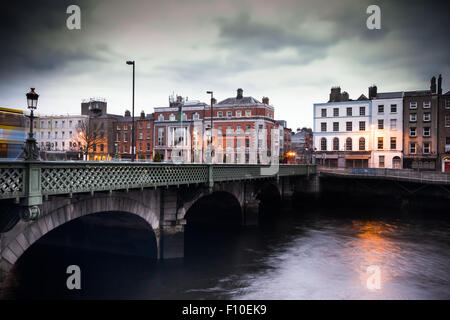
(37, 197)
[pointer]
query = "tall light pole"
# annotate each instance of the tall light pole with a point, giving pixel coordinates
(133, 140)
(31, 151)
(211, 131)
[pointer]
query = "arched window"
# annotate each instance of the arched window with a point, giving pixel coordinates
(336, 144)
(348, 144)
(172, 117)
(160, 117)
(323, 144)
(362, 144)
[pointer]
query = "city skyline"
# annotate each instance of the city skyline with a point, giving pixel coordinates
(292, 52)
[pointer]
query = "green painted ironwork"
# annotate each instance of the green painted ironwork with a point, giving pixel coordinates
(77, 177)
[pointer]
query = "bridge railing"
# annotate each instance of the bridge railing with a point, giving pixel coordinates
(52, 178)
(397, 174)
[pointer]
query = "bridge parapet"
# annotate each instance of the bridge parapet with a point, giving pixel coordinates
(80, 177)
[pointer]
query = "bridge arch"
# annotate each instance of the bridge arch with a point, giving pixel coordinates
(25, 234)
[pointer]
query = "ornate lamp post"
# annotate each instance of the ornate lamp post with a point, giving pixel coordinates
(31, 150)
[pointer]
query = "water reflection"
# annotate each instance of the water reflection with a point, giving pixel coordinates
(301, 256)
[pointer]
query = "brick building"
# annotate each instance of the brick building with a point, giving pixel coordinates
(420, 128)
(443, 129)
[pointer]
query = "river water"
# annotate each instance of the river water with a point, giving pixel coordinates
(303, 254)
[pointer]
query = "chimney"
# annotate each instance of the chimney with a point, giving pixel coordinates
(179, 99)
(433, 85)
(440, 84)
(372, 92)
(335, 94)
(142, 114)
(127, 113)
(265, 100)
(344, 96)
(239, 93)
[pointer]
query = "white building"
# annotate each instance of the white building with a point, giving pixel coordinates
(59, 133)
(387, 129)
(342, 133)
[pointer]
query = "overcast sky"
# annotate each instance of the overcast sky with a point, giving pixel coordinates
(292, 51)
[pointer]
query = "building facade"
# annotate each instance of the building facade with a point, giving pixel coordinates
(57, 136)
(443, 129)
(420, 123)
(387, 128)
(342, 134)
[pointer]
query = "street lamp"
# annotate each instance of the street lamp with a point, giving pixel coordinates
(133, 142)
(211, 131)
(31, 151)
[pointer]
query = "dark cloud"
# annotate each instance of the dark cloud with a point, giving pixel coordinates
(35, 37)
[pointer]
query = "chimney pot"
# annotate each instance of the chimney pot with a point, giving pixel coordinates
(240, 93)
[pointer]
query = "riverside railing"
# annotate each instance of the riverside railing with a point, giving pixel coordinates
(391, 174)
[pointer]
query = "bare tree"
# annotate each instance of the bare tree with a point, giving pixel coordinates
(88, 137)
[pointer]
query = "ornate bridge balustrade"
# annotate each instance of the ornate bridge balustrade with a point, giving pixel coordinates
(33, 179)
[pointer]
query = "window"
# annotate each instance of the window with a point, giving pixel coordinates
(427, 105)
(184, 117)
(349, 126)
(348, 144)
(426, 131)
(447, 144)
(238, 113)
(426, 147)
(160, 136)
(412, 148)
(63, 123)
(413, 105)
(362, 126)
(140, 135)
(148, 125)
(427, 116)
(70, 123)
(349, 112)
(63, 134)
(447, 104)
(412, 117)
(148, 135)
(49, 125)
(323, 126)
(335, 112)
(412, 132)
(117, 136)
(324, 113)
(362, 111)
(140, 125)
(125, 127)
(125, 137)
(42, 135)
(118, 128)
(160, 117)
(323, 144)
(380, 124)
(238, 128)
(148, 146)
(229, 114)
(56, 124)
(336, 144)
(172, 117)
(101, 148)
(380, 108)
(380, 143)
(56, 134)
(335, 126)
(393, 124)
(219, 114)
(447, 121)
(393, 108)
(42, 124)
(248, 113)
(381, 161)
(362, 144)
(393, 143)
(48, 135)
